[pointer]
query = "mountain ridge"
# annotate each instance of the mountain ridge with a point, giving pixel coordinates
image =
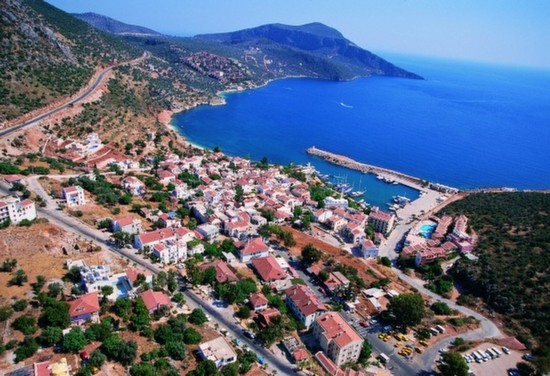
(318, 40)
(110, 25)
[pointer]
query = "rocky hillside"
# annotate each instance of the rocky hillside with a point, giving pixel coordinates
(47, 54)
(313, 50)
(113, 26)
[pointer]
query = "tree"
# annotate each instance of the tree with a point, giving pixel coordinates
(197, 317)
(122, 308)
(140, 319)
(171, 281)
(54, 289)
(178, 298)
(365, 353)
(106, 291)
(73, 275)
(25, 324)
(406, 309)
(230, 370)
(205, 368)
(8, 265)
(26, 349)
(385, 261)
(525, 369)
(18, 279)
(441, 308)
(54, 313)
(74, 341)
(191, 336)
(244, 312)
(453, 364)
(5, 313)
(175, 349)
(122, 351)
(40, 282)
(97, 359)
(323, 276)
(20, 305)
(310, 255)
(100, 331)
(50, 336)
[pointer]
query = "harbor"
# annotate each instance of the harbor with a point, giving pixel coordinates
(384, 174)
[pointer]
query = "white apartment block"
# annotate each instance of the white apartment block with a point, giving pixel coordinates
(74, 196)
(15, 210)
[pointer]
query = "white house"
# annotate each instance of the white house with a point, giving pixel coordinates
(16, 210)
(133, 185)
(218, 351)
(368, 249)
(128, 225)
(255, 248)
(73, 196)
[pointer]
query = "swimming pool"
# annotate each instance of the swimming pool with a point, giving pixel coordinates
(427, 229)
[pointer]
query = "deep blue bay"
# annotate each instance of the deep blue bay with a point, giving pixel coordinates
(467, 125)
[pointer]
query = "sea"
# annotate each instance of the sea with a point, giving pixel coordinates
(467, 125)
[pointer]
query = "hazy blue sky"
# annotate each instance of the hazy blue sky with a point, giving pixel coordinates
(503, 31)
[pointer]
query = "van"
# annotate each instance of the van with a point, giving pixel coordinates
(506, 350)
(440, 329)
(383, 358)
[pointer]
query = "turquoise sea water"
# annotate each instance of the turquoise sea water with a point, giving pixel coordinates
(467, 125)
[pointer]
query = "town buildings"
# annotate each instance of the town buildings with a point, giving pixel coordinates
(381, 221)
(304, 304)
(218, 351)
(73, 196)
(338, 340)
(255, 248)
(85, 308)
(16, 210)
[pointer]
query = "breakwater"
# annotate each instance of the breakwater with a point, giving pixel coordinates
(342, 160)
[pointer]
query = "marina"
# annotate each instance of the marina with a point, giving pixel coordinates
(384, 174)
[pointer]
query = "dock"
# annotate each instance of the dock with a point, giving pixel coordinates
(342, 160)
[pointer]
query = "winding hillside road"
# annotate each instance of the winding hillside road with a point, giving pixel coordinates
(69, 102)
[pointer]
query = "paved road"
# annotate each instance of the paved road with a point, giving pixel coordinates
(70, 102)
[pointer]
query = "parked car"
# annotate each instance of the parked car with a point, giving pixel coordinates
(364, 323)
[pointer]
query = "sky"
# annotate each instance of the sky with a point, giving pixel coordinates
(507, 32)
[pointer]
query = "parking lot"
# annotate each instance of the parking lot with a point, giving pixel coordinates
(498, 366)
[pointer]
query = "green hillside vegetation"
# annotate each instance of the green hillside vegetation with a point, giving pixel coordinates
(513, 272)
(48, 54)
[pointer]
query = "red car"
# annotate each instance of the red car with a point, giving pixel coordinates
(364, 323)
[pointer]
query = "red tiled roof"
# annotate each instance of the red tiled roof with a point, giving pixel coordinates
(84, 304)
(256, 245)
(327, 364)
(268, 268)
(306, 301)
(299, 355)
(335, 328)
(12, 178)
(223, 273)
(154, 299)
(26, 202)
(380, 215)
(70, 189)
(124, 221)
(132, 274)
(258, 299)
(42, 369)
(268, 314)
(368, 243)
(157, 235)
